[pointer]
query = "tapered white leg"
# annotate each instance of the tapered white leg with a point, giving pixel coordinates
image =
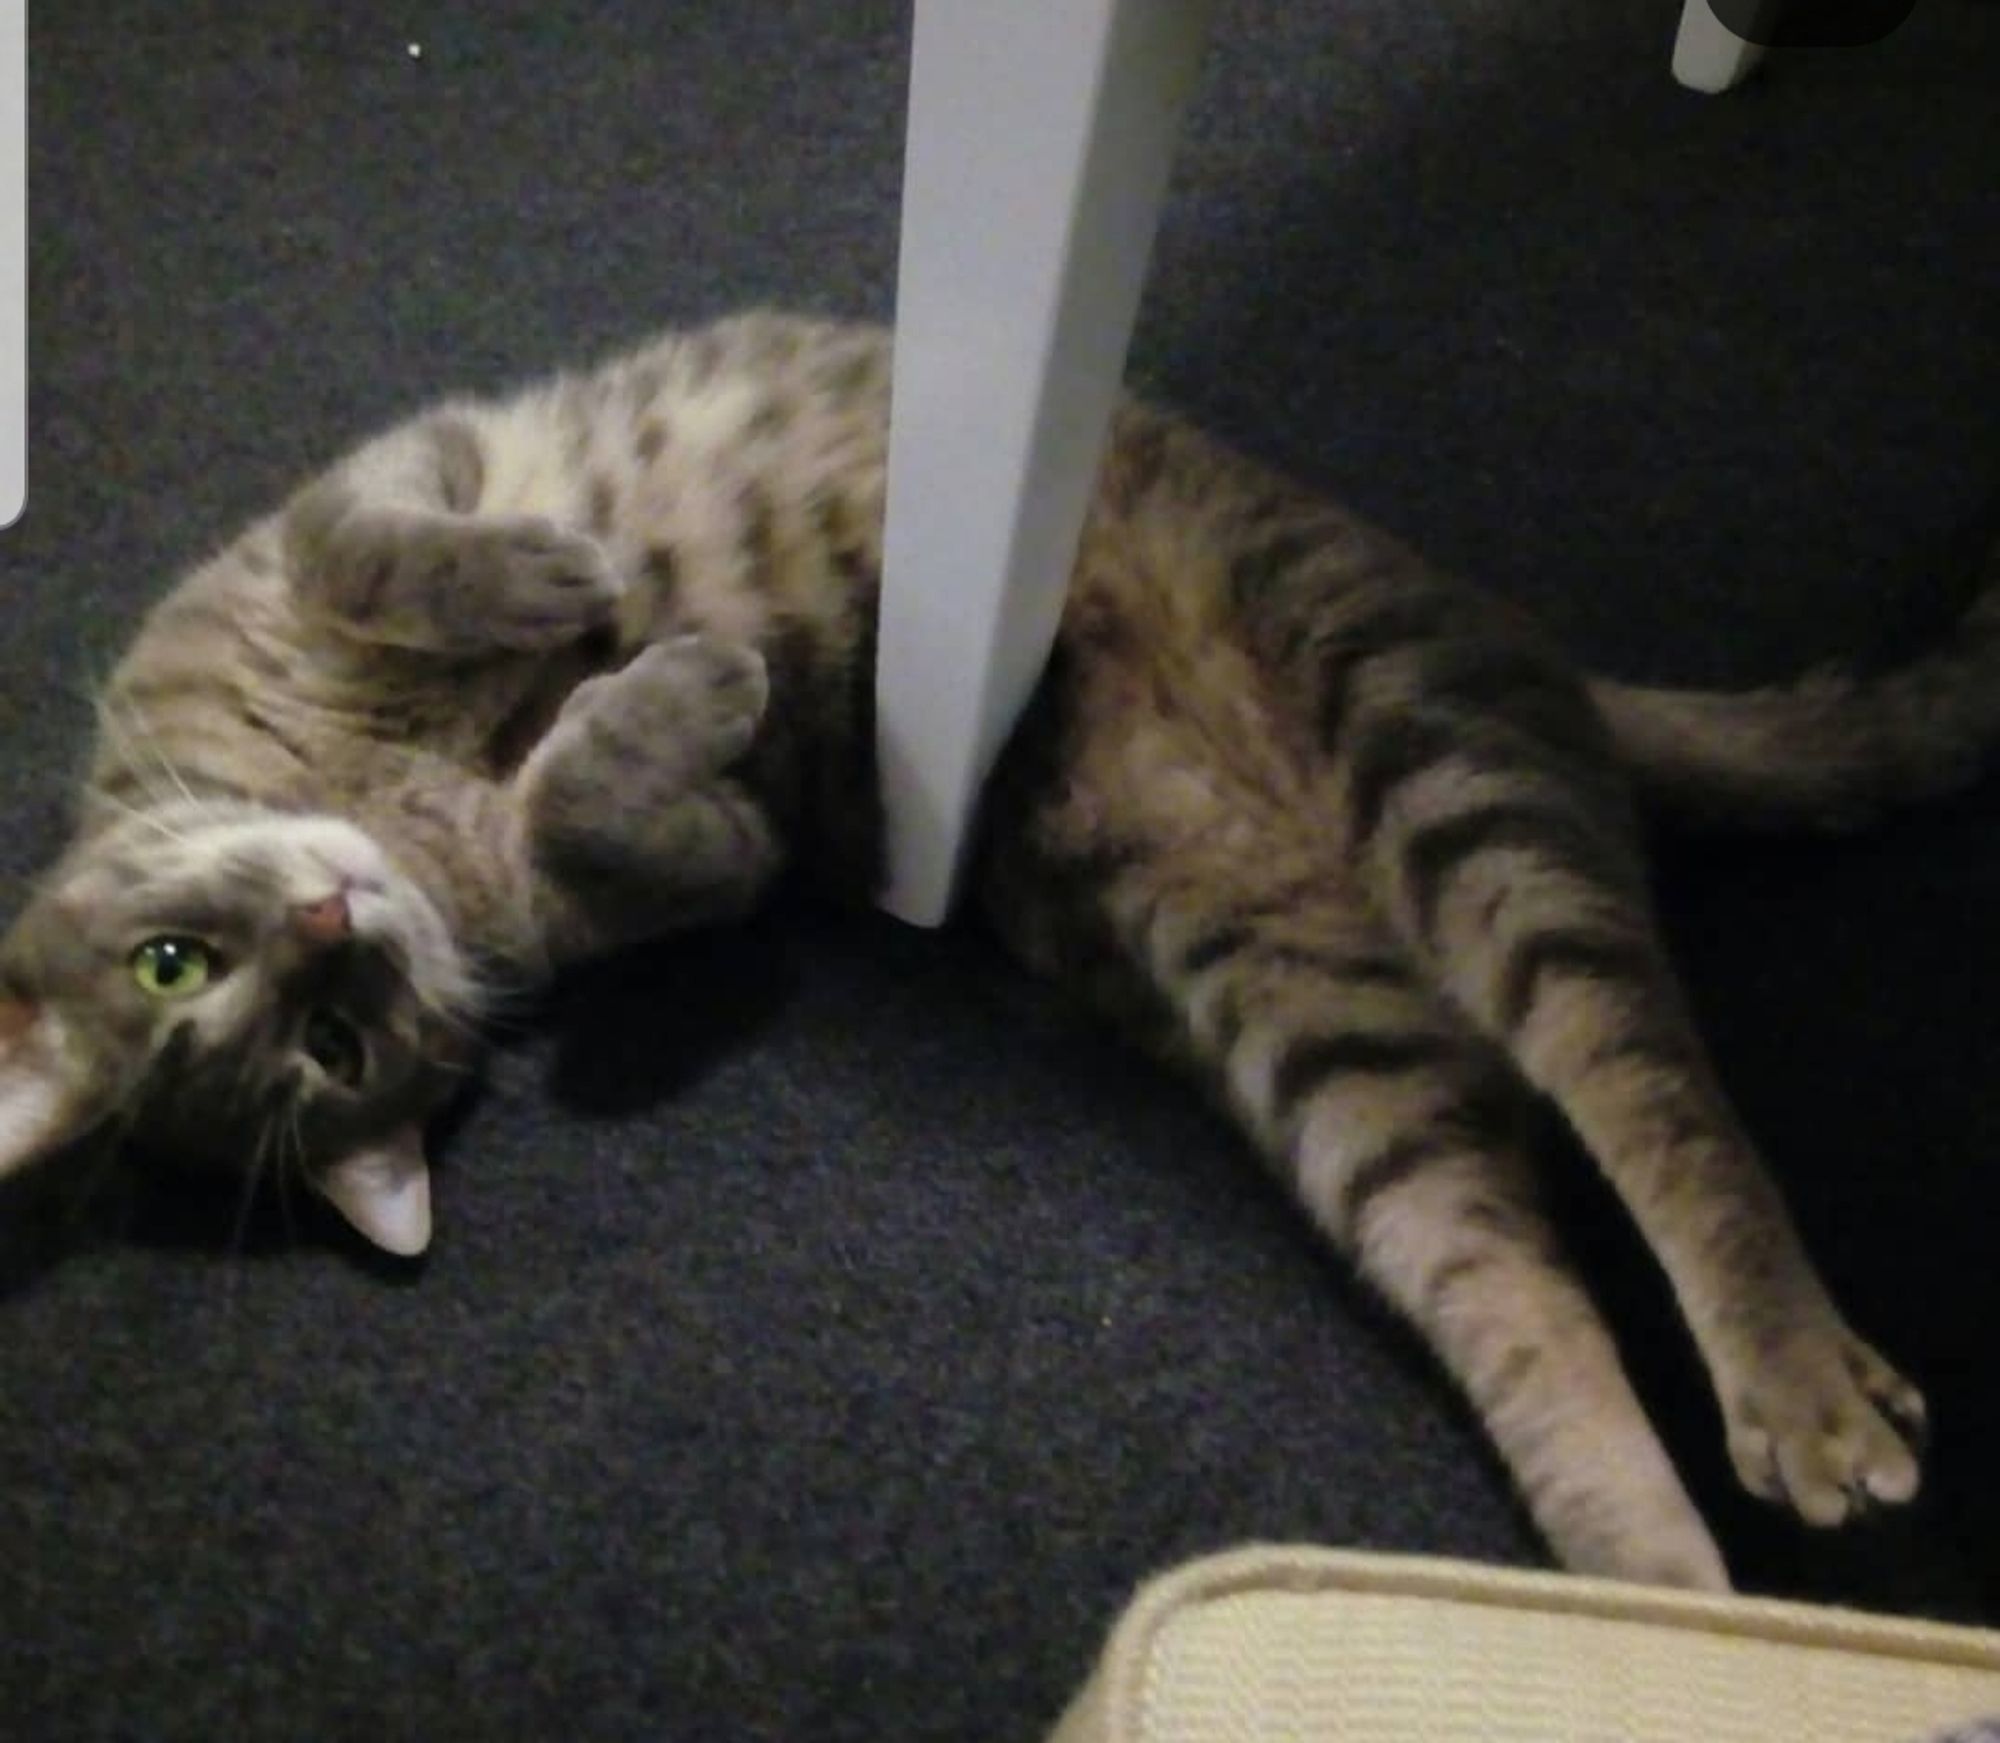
(1708, 55)
(1040, 135)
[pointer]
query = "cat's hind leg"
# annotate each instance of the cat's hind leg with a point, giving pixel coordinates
(1481, 799)
(1395, 1126)
(1400, 1132)
(633, 820)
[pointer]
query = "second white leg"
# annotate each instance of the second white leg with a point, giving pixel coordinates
(1040, 138)
(1708, 55)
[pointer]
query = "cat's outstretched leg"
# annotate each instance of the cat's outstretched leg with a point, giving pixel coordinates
(1445, 1223)
(390, 548)
(1400, 1132)
(1481, 796)
(1402, 1136)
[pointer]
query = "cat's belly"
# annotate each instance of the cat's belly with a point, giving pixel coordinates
(1157, 750)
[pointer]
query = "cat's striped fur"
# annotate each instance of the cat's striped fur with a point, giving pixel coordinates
(1348, 840)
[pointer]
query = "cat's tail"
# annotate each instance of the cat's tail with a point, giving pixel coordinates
(1832, 750)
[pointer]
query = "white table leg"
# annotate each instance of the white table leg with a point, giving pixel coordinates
(1708, 55)
(1040, 135)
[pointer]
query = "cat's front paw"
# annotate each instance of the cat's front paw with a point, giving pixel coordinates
(677, 715)
(1826, 1426)
(529, 584)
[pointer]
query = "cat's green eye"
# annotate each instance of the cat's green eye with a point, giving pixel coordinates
(173, 966)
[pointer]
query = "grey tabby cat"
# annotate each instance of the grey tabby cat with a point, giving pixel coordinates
(523, 681)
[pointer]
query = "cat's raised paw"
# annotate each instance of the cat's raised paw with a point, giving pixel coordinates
(535, 585)
(1827, 1428)
(679, 713)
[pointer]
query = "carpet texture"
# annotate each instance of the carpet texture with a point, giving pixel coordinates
(826, 1333)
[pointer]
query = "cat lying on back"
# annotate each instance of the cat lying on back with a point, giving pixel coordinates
(524, 681)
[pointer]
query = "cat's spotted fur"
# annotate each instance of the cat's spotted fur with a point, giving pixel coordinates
(526, 680)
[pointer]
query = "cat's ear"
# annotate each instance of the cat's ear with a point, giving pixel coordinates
(384, 1190)
(43, 1099)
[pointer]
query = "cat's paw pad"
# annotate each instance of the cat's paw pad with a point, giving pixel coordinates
(1828, 1428)
(679, 712)
(532, 584)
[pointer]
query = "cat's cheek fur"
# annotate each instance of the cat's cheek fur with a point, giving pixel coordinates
(404, 918)
(217, 1015)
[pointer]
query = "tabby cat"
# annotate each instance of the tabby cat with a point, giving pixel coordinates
(526, 680)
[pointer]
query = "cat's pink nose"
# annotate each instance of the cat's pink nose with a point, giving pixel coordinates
(326, 921)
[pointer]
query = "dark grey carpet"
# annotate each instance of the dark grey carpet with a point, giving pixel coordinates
(824, 1335)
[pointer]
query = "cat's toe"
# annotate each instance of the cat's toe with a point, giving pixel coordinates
(1829, 1429)
(717, 691)
(547, 586)
(1900, 1403)
(676, 714)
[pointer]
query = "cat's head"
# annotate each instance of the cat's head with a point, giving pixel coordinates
(229, 986)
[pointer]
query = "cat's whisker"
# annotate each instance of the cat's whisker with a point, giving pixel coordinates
(291, 1167)
(464, 1025)
(90, 687)
(150, 740)
(474, 1005)
(120, 741)
(251, 1177)
(494, 999)
(139, 814)
(131, 754)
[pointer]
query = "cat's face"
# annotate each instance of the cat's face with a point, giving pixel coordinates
(237, 988)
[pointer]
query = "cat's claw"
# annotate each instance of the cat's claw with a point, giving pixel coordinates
(1828, 1428)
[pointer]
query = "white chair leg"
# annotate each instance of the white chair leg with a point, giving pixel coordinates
(1708, 55)
(1040, 135)
(13, 263)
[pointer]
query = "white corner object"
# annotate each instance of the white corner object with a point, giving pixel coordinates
(1040, 136)
(13, 260)
(1708, 55)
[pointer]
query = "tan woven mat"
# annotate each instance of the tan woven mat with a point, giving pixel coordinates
(1273, 1644)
